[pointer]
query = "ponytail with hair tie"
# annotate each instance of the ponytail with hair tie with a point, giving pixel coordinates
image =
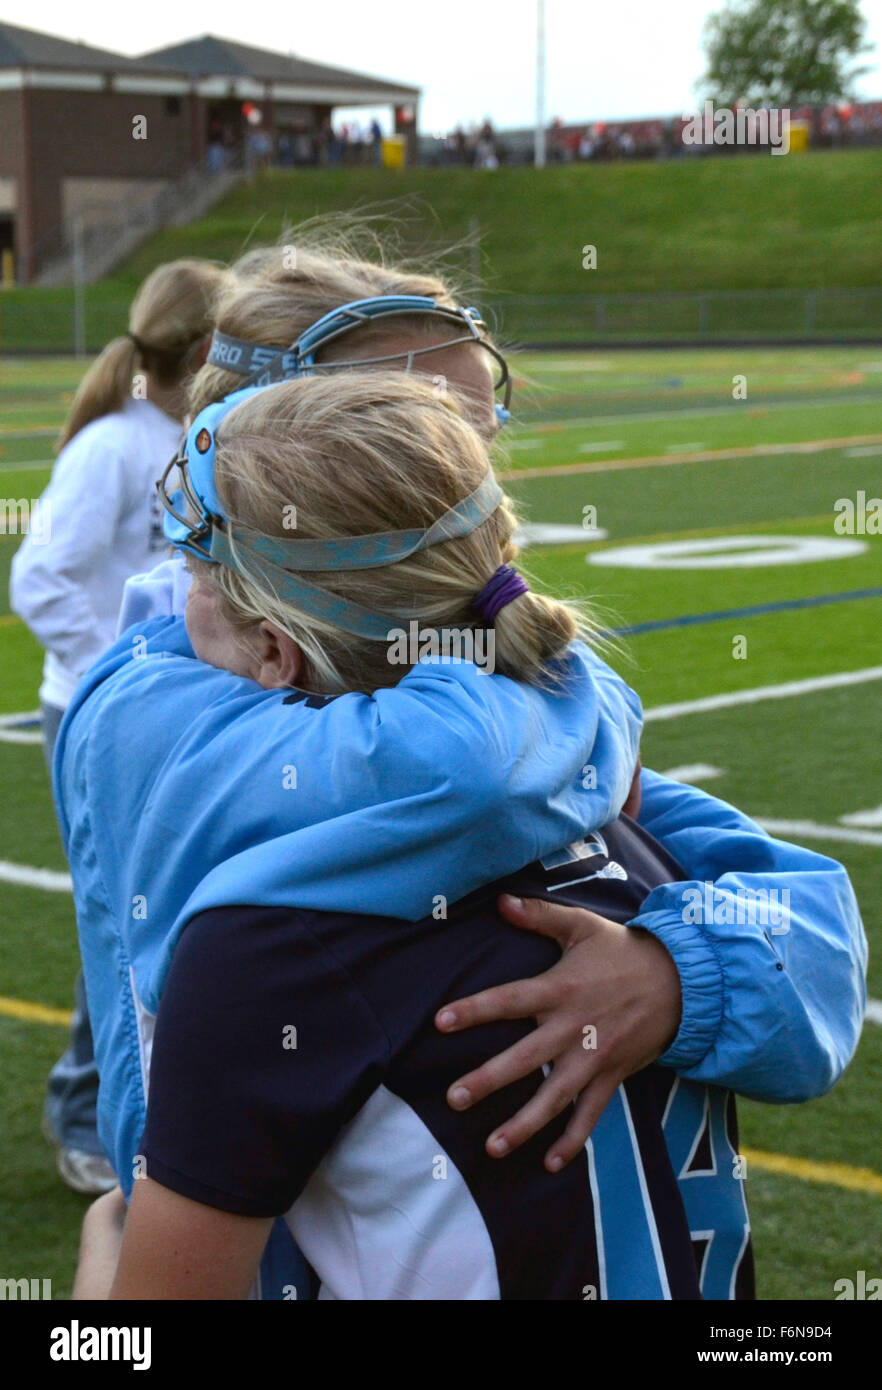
(502, 588)
(175, 305)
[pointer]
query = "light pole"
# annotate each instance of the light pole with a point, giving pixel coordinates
(79, 277)
(539, 139)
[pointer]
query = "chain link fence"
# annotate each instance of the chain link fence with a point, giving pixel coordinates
(701, 317)
(44, 321)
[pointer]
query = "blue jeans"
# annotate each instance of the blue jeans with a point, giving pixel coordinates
(72, 1093)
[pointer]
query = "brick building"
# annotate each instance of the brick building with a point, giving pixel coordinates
(83, 128)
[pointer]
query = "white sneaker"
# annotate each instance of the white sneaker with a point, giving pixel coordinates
(81, 1171)
(85, 1172)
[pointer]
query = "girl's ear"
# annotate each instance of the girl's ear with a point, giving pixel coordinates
(279, 660)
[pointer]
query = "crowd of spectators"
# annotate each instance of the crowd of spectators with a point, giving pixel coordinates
(257, 147)
(835, 126)
(354, 142)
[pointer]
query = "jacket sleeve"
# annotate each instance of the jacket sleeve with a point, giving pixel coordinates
(56, 569)
(768, 941)
(160, 593)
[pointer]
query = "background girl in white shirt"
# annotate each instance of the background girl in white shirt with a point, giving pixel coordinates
(68, 576)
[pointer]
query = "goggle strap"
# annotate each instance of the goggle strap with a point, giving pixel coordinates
(339, 612)
(383, 548)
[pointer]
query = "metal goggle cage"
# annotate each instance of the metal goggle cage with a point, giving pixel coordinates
(183, 531)
(196, 533)
(262, 365)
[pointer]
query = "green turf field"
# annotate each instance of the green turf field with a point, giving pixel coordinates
(658, 445)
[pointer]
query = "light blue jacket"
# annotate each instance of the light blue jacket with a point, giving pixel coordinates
(182, 788)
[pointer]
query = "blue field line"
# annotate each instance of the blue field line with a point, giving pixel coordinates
(693, 619)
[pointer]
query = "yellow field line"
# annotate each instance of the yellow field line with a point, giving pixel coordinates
(33, 1013)
(29, 431)
(809, 1170)
(812, 446)
(806, 1169)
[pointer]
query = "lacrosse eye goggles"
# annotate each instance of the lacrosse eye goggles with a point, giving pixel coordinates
(263, 365)
(196, 522)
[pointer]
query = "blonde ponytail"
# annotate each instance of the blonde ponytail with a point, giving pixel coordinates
(531, 634)
(103, 388)
(172, 312)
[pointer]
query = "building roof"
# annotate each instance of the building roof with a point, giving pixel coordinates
(26, 48)
(207, 61)
(213, 56)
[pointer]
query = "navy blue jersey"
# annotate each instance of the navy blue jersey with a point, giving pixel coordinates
(297, 1072)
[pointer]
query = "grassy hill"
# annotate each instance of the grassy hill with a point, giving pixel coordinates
(718, 225)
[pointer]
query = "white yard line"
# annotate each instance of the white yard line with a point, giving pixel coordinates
(693, 772)
(48, 879)
(11, 732)
(811, 830)
(762, 692)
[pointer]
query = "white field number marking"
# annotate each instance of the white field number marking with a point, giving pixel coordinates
(728, 552)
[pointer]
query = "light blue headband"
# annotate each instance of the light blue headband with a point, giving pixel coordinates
(208, 533)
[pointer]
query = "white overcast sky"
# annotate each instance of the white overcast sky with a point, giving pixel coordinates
(473, 58)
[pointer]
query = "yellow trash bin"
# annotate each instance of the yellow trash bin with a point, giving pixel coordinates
(394, 151)
(799, 137)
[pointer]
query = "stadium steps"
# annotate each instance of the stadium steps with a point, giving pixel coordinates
(114, 236)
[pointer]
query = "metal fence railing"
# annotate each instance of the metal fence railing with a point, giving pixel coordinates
(44, 321)
(700, 316)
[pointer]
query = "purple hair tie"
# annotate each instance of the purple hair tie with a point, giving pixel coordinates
(506, 584)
